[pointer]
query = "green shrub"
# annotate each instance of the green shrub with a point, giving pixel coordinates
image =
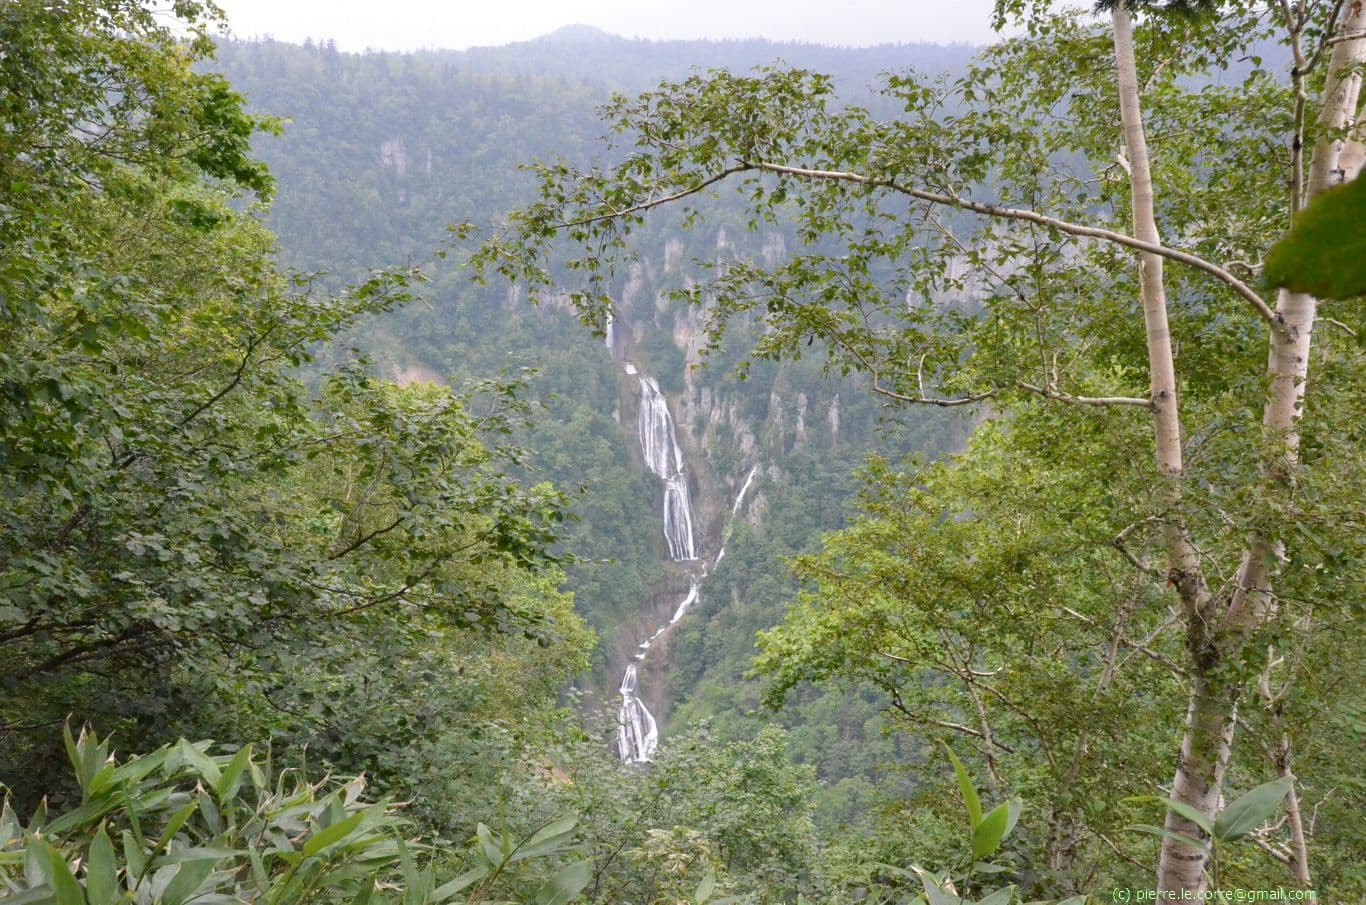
(185, 825)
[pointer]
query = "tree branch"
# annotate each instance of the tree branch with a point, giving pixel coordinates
(365, 539)
(1048, 392)
(644, 206)
(1028, 216)
(927, 400)
(236, 378)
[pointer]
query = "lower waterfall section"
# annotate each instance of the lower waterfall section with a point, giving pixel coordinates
(637, 734)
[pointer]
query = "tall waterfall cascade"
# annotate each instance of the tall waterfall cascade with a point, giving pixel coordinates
(637, 731)
(659, 446)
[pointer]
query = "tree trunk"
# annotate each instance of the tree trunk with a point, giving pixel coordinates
(1288, 361)
(1196, 782)
(1299, 846)
(1212, 704)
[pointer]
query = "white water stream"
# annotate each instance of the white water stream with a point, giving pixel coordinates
(637, 731)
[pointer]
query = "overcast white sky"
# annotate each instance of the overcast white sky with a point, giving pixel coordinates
(410, 24)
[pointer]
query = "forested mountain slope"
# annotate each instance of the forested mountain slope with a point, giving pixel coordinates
(379, 152)
(380, 583)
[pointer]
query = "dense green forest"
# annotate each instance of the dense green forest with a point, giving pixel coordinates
(333, 389)
(412, 142)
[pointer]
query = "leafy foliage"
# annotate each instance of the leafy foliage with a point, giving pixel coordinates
(975, 250)
(193, 825)
(198, 537)
(1324, 250)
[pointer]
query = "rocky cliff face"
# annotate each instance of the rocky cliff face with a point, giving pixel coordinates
(727, 427)
(735, 436)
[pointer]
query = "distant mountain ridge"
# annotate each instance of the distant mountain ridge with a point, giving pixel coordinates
(569, 34)
(588, 53)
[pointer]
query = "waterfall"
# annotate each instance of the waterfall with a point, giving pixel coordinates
(637, 734)
(659, 446)
(734, 511)
(744, 488)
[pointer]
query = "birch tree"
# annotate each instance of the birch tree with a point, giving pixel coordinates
(986, 245)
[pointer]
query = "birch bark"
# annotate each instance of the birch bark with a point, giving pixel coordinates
(1201, 761)
(1181, 867)
(1288, 360)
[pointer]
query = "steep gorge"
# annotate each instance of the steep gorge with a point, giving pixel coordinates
(431, 139)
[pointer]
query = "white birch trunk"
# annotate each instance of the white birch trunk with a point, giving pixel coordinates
(1196, 782)
(1183, 564)
(1335, 159)
(1288, 361)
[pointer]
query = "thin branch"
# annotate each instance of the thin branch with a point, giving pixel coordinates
(925, 400)
(968, 730)
(236, 377)
(1339, 324)
(1072, 229)
(1295, 25)
(644, 206)
(1275, 851)
(900, 706)
(365, 539)
(1049, 392)
(980, 673)
(1140, 565)
(1137, 646)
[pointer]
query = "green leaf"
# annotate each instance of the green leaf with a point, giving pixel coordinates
(202, 763)
(547, 840)
(970, 799)
(133, 855)
(136, 769)
(182, 855)
(1179, 837)
(705, 889)
(413, 881)
(1192, 815)
(999, 897)
(366, 893)
(566, 884)
(72, 753)
(451, 888)
(1013, 808)
(332, 834)
(1251, 810)
(493, 852)
(987, 836)
(186, 881)
(38, 896)
(983, 867)
(64, 884)
(103, 780)
(1325, 251)
(934, 893)
(9, 823)
(1180, 808)
(231, 779)
(37, 870)
(101, 871)
(174, 825)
